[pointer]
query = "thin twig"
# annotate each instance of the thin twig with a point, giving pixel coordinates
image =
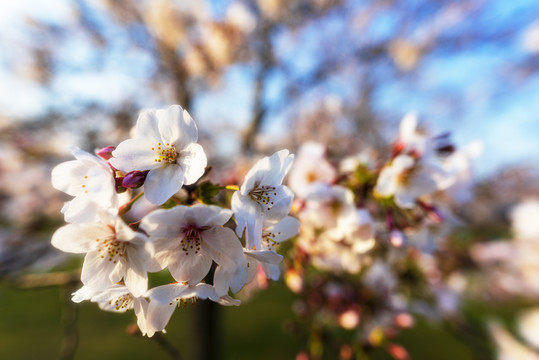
(162, 341)
(70, 337)
(44, 280)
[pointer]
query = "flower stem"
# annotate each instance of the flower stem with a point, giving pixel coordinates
(126, 207)
(161, 340)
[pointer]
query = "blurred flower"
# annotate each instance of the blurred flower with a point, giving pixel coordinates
(334, 232)
(524, 220)
(409, 179)
(507, 346)
(511, 267)
(310, 169)
(528, 326)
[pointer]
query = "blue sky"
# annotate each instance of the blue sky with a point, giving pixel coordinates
(506, 121)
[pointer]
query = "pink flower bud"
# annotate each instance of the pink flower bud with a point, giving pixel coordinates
(106, 152)
(134, 179)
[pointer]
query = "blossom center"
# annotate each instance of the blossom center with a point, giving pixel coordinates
(268, 239)
(165, 153)
(191, 241)
(123, 302)
(111, 248)
(263, 195)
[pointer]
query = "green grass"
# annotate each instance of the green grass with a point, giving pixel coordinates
(31, 328)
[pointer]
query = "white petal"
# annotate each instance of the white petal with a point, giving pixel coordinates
(243, 210)
(265, 256)
(279, 207)
(233, 278)
(147, 126)
(228, 301)
(68, 177)
(135, 154)
(188, 132)
(141, 308)
(207, 215)
(84, 293)
(170, 123)
(159, 315)
(223, 246)
(96, 271)
(189, 266)
(164, 223)
(162, 183)
(193, 160)
(284, 229)
(79, 238)
(279, 164)
(136, 278)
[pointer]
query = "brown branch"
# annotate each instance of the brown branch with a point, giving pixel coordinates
(162, 341)
(44, 280)
(259, 110)
(70, 337)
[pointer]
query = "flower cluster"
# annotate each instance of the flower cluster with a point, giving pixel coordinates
(210, 251)
(365, 257)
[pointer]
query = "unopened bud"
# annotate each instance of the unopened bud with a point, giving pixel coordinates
(119, 187)
(432, 212)
(134, 179)
(106, 152)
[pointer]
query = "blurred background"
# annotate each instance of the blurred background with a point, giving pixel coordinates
(256, 75)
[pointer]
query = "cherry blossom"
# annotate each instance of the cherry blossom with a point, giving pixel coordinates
(113, 252)
(187, 239)
(90, 180)
(117, 298)
(262, 196)
(408, 179)
(165, 299)
(310, 169)
(165, 144)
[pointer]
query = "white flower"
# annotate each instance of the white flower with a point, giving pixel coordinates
(165, 144)
(164, 300)
(528, 326)
(262, 197)
(458, 166)
(410, 139)
(408, 179)
(507, 346)
(90, 180)
(524, 220)
(187, 239)
(113, 251)
(272, 235)
(310, 169)
(117, 298)
(334, 232)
